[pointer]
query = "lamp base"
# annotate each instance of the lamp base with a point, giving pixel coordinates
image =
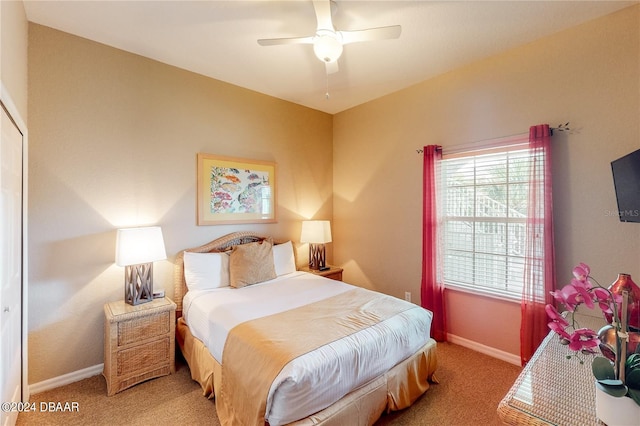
(317, 256)
(138, 283)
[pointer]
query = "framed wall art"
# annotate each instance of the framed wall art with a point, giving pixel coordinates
(235, 190)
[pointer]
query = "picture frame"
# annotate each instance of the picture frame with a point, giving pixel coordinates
(235, 190)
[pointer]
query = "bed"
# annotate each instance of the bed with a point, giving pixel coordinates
(296, 348)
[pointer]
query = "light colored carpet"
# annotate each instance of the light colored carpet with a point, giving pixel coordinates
(471, 386)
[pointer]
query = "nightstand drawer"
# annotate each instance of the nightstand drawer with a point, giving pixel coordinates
(333, 272)
(138, 329)
(337, 275)
(149, 355)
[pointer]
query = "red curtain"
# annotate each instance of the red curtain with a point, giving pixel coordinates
(539, 270)
(432, 287)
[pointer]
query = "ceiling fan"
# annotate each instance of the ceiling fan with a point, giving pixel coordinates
(327, 42)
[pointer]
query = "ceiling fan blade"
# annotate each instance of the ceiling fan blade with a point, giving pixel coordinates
(380, 33)
(323, 14)
(332, 67)
(291, 40)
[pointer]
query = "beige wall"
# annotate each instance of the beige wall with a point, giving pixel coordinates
(13, 53)
(114, 138)
(588, 75)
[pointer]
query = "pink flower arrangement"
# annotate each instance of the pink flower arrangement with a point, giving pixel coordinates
(618, 373)
(580, 290)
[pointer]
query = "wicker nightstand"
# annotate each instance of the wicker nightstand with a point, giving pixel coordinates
(333, 272)
(139, 342)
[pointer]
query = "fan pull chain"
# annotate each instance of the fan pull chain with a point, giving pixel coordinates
(327, 93)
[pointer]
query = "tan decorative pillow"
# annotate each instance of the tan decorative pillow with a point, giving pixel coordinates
(251, 263)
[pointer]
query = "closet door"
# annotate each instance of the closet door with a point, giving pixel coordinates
(10, 264)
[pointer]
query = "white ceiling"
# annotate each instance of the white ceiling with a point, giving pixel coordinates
(219, 39)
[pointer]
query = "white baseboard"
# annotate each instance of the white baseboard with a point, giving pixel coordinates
(483, 349)
(65, 379)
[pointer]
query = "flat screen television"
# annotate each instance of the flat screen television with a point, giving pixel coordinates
(626, 178)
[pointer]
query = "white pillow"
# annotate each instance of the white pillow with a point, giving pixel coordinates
(283, 259)
(206, 271)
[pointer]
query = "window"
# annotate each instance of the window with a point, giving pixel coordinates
(265, 197)
(485, 202)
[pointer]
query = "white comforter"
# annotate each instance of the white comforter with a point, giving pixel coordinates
(299, 390)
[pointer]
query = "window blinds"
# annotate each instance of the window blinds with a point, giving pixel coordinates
(485, 202)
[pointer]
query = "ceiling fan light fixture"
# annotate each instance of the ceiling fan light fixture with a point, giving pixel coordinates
(327, 42)
(327, 47)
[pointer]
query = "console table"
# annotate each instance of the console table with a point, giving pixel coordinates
(552, 389)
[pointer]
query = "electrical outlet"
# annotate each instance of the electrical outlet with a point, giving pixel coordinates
(407, 296)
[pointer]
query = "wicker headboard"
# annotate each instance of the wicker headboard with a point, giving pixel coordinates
(220, 244)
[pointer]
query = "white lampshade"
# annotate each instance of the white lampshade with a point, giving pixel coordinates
(327, 47)
(139, 245)
(315, 231)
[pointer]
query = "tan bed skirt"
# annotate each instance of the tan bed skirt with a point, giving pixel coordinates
(395, 390)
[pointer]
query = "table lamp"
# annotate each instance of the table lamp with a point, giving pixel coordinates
(316, 233)
(136, 250)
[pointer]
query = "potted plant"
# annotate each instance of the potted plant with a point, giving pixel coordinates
(617, 372)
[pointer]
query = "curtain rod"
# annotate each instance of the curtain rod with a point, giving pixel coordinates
(561, 128)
